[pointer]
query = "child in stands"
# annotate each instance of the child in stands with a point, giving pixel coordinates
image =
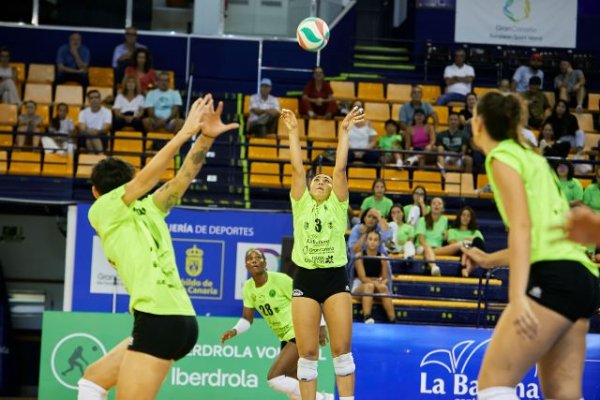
(403, 233)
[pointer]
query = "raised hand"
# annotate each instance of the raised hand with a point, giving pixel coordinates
(212, 126)
(289, 120)
(355, 115)
(195, 119)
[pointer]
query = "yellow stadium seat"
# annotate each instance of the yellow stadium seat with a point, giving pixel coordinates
(343, 90)
(105, 92)
(431, 93)
(168, 174)
(586, 122)
(282, 133)
(3, 162)
(377, 111)
(594, 101)
(585, 182)
(159, 137)
(442, 113)
(246, 109)
(69, 94)
(361, 179)
(171, 75)
(43, 110)
(459, 184)
(136, 161)
(398, 92)
(101, 76)
(591, 140)
(20, 68)
(291, 103)
(25, 163)
(325, 169)
(287, 175)
(128, 142)
(396, 181)
(41, 93)
(41, 73)
(551, 97)
(8, 114)
(396, 111)
(370, 91)
(58, 165)
(319, 148)
(430, 180)
(284, 150)
(6, 137)
(379, 128)
(322, 130)
(480, 91)
(265, 175)
(482, 180)
(256, 151)
(85, 164)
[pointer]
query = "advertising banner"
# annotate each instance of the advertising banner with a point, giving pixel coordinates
(235, 370)
(532, 23)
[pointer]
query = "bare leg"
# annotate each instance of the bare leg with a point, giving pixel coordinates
(306, 314)
(580, 96)
(386, 302)
(468, 163)
(448, 250)
(133, 385)
(105, 371)
(282, 374)
(367, 301)
(20, 138)
(36, 138)
(338, 314)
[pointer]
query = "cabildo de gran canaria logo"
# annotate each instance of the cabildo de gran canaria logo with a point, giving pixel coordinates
(194, 261)
(447, 373)
(515, 13)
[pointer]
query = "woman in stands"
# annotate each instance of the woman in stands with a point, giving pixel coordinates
(565, 126)
(412, 212)
(553, 286)
(378, 199)
(142, 69)
(466, 114)
(569, 185)
(129, 105)
(29, 125)
(403, 233)
(420, 136)
(431, 233)
(270, 293)
(465, 227)
(548, 144)
(62, 130)
(362, 140)
(372, 276)
(319, 252)
(591, 195)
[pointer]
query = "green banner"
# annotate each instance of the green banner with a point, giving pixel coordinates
(235, 370)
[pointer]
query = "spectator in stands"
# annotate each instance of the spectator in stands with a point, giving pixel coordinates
(420, 136)
(523, 74)
(29, 125)
(392, 140)
(570, 185)
(62, 131)
(464, 227)
(403, 233)
(317, 100)
(431, 233)
(549, 146)
(8, 79)
(264, 110)
(591, 195)
(73, 60)
(370, 220)
(407, 110)
(378, 199)
(412, 212)
(95, 122)
(122, 55)
(529, 137)
(362, 138)
(504, 86)
(453, 140)
(162, 106)
(466, 113)
(129, 105)
(458, 77)
(537, 103)
(570, 85)
(141, 67)
(372, 276)
(566, 126)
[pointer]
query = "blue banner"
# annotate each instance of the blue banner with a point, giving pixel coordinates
(209, 247)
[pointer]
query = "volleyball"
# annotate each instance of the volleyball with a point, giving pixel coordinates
(312, 34)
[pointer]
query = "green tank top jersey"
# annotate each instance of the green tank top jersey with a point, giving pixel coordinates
(547, 204)
(137, 242)
(273, 301)
(319, 232)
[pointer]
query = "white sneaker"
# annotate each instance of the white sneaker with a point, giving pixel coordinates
(399, 162)
(369, 321)
(326, 396)
(435, 270)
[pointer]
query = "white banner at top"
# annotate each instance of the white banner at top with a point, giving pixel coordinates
(532, 23)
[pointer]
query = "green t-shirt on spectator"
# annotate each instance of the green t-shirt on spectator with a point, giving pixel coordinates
(406, 232)
(591, 197)
(434, 237)
(572, 189)
(387, 142)
(458, 235)
(406, 209)
(384, 205)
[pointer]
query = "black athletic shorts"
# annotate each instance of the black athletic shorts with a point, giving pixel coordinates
(321, 283)
(169, 337)
(285, 342)
(566, 287)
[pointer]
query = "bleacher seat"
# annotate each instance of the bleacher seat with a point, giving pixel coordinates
(3, 162)
(265, 175)
(257, 152)
(135, 161)
(159, 137)
(377, 111)
(361, 179)
(284, 150)
(105, 92)
(397, 92)
(594, 101)
(25, 163)
(482, 180)
(20, 68)
(41, 93)
(442, 113)
(591, 140)
(396, 181)
(41, 73)
(246, 107)
(282, 133)
(128, 142)
(43, 110)
(343, 90)
(8, 117)
(287, 175)
(86, 162)
(58, 165)
(459, 184)
(379, 127)
(370, 91)
(171, 75)
(586, 121)
(101, 76)
(430, 180)
(480, 91)
(319, 148)
(395, 114)
(321, 129)
(291, 103)
(69, 94)
(325, 169)
(431, 93)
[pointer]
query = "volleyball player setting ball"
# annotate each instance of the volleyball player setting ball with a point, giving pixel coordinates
(319, 253)
(553, 286)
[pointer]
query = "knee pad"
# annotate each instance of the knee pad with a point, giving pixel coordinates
(344, 364)
(498, 393)
(307, 369)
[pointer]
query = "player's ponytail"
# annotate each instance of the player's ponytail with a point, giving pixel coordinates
(502, 115)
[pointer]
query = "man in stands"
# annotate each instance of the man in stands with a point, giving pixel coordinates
(522, 75)
(123, 52)
(407, 110)
(264, 110)
(8, 79)
(537, 103)
(95, 122)
(317, 100)
(454, 140)
(162, 106)
(459, 77)
(72, 61)
(570, 85)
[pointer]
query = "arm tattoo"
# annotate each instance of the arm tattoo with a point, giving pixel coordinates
(171, 201)
(199, 157)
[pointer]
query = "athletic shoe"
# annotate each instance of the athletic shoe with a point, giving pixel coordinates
(435, 270)
(326, 396)
(369, 321)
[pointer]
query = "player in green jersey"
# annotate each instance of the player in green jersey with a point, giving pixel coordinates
(136, 241)
(270, 293)
(319, 212)
(553, 286)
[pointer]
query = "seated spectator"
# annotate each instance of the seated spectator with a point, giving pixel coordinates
(129, 105)
(504, 86)
(370, 220)
(549, 146)
(29, 125)
(162, 106)
(523, 74)
(570, 85)
(141, 68)
(466, 113)
(453, 140)
(569, 185)
(72, 61)
(431, 233)
(407, 110)
(412, 212)
(62, 132)
(317, 100)
(403, 233)
(95, 122)
(392, 140)
(378, 199)
(591, 194)
(372, 276)
(122, 55)
(362, 138)
(537, 103)
(8, 79)
(458, 77)
(566, 126)
(464, 227)
(264, 110)
(420, 136)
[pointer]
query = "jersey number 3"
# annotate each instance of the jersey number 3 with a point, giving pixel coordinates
(318, 225)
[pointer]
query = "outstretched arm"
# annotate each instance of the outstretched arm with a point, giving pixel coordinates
(243, 324)
(340, 181)
(171, 192)
(298, 172)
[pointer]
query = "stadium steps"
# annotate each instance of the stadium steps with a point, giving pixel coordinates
(444, 287)
(381, 59)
